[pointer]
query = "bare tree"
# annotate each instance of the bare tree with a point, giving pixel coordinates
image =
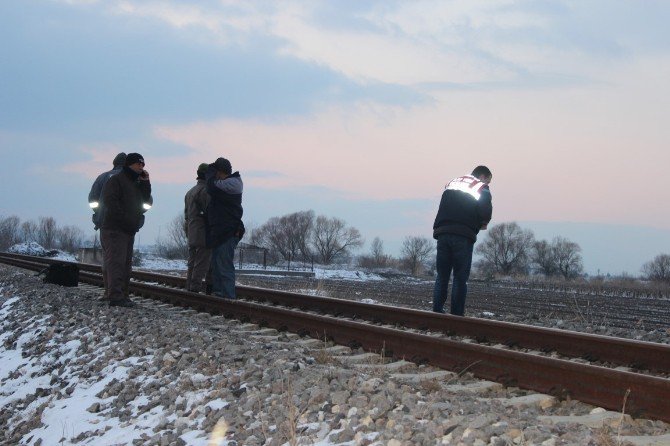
(69, 238)
(175, 243)
(299, 225)
(380, 259)
(415, 251)
(287, 235)
(543, 259)
(567, 256)
(560, 257)
(46, 232)
(271, 237)
(9, 231)
(376, 258)
(658, 269)
(332, 238)
(29, 231)
(250, 234)
(506, 249)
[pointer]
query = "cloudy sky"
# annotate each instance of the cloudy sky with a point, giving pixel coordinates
(356, 109)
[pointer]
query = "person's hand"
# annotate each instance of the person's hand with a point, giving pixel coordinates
(144, 175)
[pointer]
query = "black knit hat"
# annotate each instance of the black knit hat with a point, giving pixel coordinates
(223, 164)
(202, 169)
(133, 158)
(119, 160)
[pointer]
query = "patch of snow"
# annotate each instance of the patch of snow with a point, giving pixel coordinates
(35, 249)
(29, 249)
(65, 256)
(217, 404)
(152, 262)
(354, 275)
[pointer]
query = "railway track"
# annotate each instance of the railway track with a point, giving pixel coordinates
(634, 372)
(498, 299)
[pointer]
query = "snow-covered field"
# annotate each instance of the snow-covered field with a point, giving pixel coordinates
(154, 263)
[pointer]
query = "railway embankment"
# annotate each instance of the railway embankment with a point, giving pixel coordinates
(74, 371)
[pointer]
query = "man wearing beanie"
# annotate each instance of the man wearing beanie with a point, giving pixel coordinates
(195, 225)
(125, 197)
(224, 224)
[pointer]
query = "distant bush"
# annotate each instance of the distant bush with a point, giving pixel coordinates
(137, 258)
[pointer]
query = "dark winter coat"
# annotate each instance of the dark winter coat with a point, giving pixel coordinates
(96, 192)
(195, 216)
(123, 199)
(224, 213)
(462, 213)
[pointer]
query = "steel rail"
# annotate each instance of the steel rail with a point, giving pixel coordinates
(654, 357)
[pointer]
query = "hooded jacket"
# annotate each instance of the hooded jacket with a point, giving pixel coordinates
(195, 214)
(123, 199)
(224, 212)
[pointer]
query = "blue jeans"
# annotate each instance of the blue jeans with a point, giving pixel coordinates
(223, 269)
(454, 253)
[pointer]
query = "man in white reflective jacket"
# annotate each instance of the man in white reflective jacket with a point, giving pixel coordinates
(465, 208)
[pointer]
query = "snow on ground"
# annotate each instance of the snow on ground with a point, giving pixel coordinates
(35, 249)
(67, 378)
(84, 408)
(345, 274)
(29, 249)
(155, 263)
(152, 262)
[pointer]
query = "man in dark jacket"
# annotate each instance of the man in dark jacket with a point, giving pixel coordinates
(465, 208)
(195, 222)
(224, 224)
(94, 197)
(125, 198)
(96, 189)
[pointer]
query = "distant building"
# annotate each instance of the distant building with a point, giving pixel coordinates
(90, 255)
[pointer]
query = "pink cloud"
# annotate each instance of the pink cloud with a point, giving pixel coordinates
(554, 156)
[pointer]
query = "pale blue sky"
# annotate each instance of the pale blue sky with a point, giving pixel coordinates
(363, 110)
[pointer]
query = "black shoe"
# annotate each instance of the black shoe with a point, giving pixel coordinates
(122, 303)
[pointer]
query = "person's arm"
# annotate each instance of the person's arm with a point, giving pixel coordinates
(485, 207)
(230, 185)
(96, 190)
(145, 188)
(186, 214)
(202, 201)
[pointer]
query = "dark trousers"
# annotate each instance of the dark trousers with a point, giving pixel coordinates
(199, 259)
(118, 260)
(223, 269)
(454, 253)
(105, 296)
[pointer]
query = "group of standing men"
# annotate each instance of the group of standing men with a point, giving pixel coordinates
(213, 225)
(213, 213)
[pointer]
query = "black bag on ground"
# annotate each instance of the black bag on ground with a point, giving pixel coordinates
(65, 274)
